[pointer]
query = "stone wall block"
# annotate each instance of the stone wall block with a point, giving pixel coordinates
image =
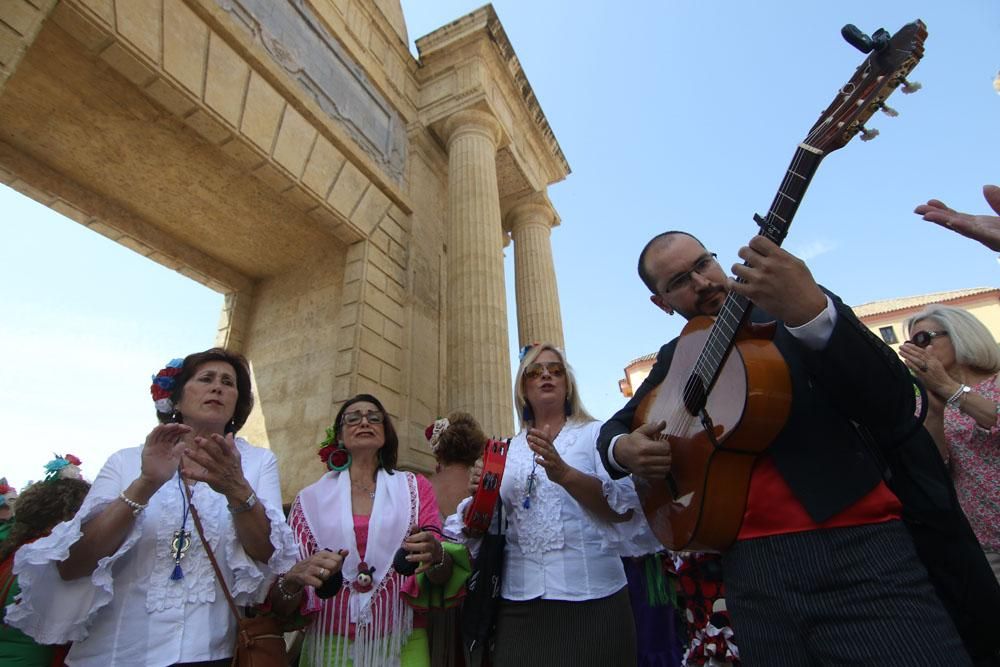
(375, 278)
(393, 333)
(347, 190)
(345, 362)
(139, 22)
(370, 210)
(70, 211)
(274, 176)
(211, 129)
(387, 306)
(243, 153)
(398, 254)
(105, 9)
(94, 37)
(325, 162)
(372, 319)
(170, 98)
(226, 80)
(295, 141)
(128, 65)
(391, 379)
(20, 16)
(391, 228)
(185, 42)
(105, 230)
(262, 113)
(369, 366)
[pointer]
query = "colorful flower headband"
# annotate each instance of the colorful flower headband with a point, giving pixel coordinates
(331, 452)
(163, 386)
(63, 467)
(434, 431)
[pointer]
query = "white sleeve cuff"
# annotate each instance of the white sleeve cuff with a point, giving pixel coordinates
(815, 333)
(611, 455)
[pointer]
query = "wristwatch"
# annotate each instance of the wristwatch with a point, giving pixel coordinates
(245, 506)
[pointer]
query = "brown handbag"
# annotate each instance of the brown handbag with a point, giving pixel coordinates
(259, 640)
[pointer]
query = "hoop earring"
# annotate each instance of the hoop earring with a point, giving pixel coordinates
(343, 466)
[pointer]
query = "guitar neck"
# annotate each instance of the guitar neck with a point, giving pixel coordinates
(737, 308)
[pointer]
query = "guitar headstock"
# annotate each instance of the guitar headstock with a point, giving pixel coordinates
(885, 68)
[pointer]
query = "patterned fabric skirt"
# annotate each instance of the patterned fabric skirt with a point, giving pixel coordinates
(598, 633)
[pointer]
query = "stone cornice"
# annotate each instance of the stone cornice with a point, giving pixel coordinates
(443, 51)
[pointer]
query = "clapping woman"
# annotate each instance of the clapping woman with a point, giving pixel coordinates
(128, 580)
(563, 589)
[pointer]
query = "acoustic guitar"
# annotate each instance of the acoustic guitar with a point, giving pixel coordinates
(727, 393)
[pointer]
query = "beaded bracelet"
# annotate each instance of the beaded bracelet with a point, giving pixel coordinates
(136, 508)
(283, 592)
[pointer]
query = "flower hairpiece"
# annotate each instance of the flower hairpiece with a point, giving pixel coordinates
(331, 452)
(7, 493)
(63, 467)
(434, 431)
(163, 386)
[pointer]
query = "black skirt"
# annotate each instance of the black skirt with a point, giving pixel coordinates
(598, 633)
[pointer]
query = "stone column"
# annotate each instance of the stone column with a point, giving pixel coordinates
(539, 319)
(478, 358)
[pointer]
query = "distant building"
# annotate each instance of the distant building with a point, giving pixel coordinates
(886, 319)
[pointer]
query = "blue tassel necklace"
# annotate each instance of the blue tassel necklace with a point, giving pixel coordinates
(182, 538)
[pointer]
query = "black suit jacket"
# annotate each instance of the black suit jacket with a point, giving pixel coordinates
(851, 425)
(856, 385)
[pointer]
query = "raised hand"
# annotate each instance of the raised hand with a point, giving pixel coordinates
(216, 461)
(540, 443)
(982, 228)
(162, 453)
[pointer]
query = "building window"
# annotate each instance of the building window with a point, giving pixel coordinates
(888, 335)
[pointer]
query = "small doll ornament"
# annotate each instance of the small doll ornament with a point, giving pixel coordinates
(366, 574)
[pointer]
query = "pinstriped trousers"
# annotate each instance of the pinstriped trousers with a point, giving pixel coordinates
(842, 596)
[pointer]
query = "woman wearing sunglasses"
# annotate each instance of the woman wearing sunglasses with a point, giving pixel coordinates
(563, 594)
(956, 358)
(350, 525)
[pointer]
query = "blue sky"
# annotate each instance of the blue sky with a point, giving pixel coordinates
(672, 114)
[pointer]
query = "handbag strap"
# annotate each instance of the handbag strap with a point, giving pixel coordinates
(211, 556)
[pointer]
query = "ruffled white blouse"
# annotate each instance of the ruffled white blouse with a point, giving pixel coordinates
(556, 549)
(129, 611)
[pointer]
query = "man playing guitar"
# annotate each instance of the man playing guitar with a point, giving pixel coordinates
(822, 570)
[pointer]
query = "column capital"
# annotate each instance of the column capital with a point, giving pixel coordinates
(533, 209)
(473, 121)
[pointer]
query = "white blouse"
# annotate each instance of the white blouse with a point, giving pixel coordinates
(129, 611)
(556, 549)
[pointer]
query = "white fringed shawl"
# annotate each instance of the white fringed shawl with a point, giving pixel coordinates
(381, 620)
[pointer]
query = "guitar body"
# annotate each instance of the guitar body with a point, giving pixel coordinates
(479, 513)
(701, 507)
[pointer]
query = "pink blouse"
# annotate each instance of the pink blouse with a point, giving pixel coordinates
(975, 467)
(405, 586)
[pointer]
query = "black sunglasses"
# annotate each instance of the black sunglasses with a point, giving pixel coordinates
(924, 338)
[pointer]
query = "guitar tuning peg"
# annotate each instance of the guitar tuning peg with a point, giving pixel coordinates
(910, 87)
(868, 135)
(888, 110)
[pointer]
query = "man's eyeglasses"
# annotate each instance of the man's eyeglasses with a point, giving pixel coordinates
(924, 338)
(554, 368)
(684, 279)
(354, 417)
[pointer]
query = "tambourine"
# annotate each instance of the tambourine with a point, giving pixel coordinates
(479, 513)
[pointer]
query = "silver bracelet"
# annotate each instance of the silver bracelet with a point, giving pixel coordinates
(438, 565)
(956, 398)
(245, 506)
(136, 508)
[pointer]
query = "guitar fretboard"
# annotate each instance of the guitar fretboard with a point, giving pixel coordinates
(736, 308)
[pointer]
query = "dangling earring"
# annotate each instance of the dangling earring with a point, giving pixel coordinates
(175, 416)
(527, 414)
(231, 426)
